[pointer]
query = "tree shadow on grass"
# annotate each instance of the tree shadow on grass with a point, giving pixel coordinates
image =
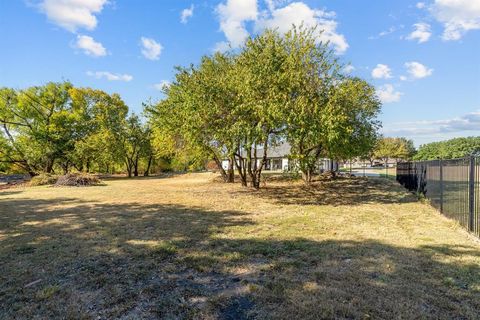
(137, 261)
(338, 192)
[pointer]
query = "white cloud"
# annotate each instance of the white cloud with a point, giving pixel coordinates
(73, 14)
(387, 94)
(382, 71)
(150, 48)
(348, 69)
(161, 85)
(233, 14)
(403, 78)
(90, 47)
(390, 30)
(457, 17)
(420, 5)
(421, 33)
(186, 14)
(110, 76)
(418, 70)
(222, 46)
(467, 122)
(297, 13)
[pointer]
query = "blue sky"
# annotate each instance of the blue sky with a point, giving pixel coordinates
(422, 56)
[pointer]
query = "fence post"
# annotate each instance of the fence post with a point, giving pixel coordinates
(440, 161)
(471, 193)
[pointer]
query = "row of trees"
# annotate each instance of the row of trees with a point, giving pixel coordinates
(277, 88)
(57, 127)
(449, 149)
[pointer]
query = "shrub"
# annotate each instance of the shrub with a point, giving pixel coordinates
(77, 180)
(43, 179)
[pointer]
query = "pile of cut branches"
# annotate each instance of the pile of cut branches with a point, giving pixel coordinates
(77, 180)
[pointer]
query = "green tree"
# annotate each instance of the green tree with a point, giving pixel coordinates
(277, 88)
(38, 125)
(198, 110)
(263, 89)
(57, 126)
(449, 149)
(394, 148)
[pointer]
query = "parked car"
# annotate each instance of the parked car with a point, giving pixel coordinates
(377, 165)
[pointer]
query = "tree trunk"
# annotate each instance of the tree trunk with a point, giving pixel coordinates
(220, 168)
(65, 167)
(49, 166)
(147, 171)
(307, 175)
(128, 163)
(231, 170)
(135, 167)
(241, 170)
(257, 176)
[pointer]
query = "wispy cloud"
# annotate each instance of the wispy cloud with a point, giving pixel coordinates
(467, 122)
(388, 94)
(162, 85)
(151, 49)
(110, 76)
(421, 33)
(90, 47)
(186, 14)
(384, 33)
(348, 69)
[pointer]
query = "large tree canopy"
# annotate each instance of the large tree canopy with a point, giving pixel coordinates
(277, 88)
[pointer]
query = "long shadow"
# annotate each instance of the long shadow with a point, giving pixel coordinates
(338, 192)
(65, 258)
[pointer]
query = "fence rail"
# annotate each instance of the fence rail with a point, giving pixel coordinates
(452, 186)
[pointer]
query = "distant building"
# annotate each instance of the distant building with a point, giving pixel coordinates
(278, 160)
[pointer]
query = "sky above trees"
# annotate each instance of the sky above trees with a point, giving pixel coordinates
(422, 56)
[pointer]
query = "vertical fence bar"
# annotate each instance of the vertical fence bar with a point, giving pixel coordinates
(440, 164)
(471, 193)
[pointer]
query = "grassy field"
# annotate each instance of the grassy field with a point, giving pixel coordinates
(190, 247)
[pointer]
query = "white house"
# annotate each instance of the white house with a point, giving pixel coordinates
(278, 160)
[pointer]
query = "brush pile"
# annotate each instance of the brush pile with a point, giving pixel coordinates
(77, 180)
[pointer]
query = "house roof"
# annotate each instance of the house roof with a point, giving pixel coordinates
(280, 151)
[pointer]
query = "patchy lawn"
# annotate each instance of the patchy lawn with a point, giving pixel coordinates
(189, 247)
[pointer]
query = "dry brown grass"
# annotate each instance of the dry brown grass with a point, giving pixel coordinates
(187, 247)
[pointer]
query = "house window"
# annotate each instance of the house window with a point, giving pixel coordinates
(276, 164)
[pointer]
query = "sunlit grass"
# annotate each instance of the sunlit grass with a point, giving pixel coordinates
(189, 247)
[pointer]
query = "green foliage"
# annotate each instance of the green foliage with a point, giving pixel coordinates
(394, 148)
(449, 149)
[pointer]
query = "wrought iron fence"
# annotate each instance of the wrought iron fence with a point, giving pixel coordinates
(452, 186)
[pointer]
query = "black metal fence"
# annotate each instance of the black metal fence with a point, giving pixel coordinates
(452, 186)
